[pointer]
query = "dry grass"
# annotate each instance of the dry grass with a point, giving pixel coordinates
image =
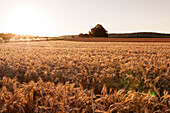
(78, 77)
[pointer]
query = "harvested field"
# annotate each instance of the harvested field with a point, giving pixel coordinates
(120, 39)
(87, 77)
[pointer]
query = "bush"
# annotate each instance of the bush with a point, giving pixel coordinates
(83, 35)
(98, 31)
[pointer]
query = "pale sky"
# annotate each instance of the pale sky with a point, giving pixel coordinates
(68, 17)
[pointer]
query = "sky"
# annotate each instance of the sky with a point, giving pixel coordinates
(71, 17)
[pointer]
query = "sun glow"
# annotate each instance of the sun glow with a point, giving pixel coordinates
(27, 21)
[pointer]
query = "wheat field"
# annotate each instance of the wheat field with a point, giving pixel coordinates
(84, 77)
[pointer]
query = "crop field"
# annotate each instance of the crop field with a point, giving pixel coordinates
(119, 39)
(84, 77)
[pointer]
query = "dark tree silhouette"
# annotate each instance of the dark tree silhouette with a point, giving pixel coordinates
(98, 31)
(83, 35)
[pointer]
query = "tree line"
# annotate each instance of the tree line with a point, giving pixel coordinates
(100, 31)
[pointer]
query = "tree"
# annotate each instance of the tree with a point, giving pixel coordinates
(98, 31)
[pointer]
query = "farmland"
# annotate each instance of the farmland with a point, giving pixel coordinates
(73, 77)
(100, 39)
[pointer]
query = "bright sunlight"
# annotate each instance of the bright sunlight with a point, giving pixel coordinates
(27, 21)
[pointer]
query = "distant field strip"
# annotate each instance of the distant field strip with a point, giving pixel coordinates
(120, 39)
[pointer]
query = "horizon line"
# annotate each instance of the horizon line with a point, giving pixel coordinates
(141, 31)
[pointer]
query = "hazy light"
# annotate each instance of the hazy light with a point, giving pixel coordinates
(25, 21)
(67, 17)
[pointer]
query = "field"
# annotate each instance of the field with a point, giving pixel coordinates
(120, 39)
(87, 77)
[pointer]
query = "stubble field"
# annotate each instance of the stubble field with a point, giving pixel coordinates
(74, 77)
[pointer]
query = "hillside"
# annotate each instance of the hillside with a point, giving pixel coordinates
(139, 35)
(130, 35)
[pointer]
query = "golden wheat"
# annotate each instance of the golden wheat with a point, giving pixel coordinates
(73, 77)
